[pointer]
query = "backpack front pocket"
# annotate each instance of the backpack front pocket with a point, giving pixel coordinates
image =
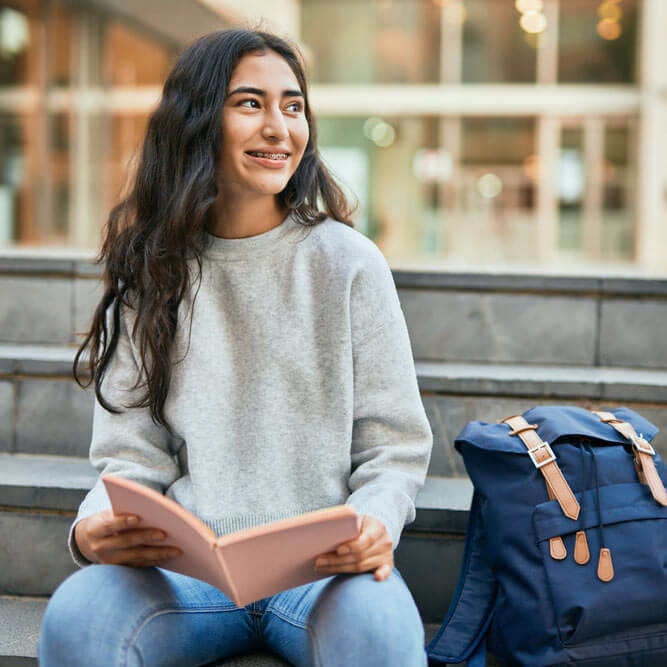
(634, 529)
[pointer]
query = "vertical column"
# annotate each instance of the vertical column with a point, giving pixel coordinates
(84, 158)
(651, 236)
(548, 131)
(592, 214)
(30, 123)
(451, 64)
(80, 150)
(547, 53)
(44, 190)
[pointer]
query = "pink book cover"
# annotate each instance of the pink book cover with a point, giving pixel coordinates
(249, 564)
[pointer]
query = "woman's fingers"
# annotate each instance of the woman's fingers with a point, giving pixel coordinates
(130, 538)
(363, 565)
(141, 556)
(382, 572)
(370, 550)
(113, 540)
(107, 523)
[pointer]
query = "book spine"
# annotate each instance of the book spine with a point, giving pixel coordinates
(225, 571)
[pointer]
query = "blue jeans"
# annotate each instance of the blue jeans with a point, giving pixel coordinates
(122, 616)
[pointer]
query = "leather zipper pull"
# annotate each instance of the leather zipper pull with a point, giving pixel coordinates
(557, 548)
(605, 566)
(581, 552)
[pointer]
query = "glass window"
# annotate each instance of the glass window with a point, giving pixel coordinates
(422, 206)
(61, 41)
(18, 45)
(570, 193)
(495, 47)
(12, 179)
(597, 41)
(617, 239)
(21, 125)
(131, 59)
(59, 176)
(371, 41)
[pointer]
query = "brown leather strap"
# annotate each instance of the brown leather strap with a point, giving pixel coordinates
(545, 460)
(556, 545)
(643, 455)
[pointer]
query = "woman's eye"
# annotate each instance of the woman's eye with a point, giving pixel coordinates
(248, 100)
(297, 105)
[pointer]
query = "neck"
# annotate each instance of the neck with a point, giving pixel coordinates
(243, 216)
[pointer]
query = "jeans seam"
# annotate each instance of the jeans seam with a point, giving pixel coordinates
(313, 641)
(299, 624)
(159, 611)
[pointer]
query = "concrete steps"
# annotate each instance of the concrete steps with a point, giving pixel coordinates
(38, 396)
(486, 317)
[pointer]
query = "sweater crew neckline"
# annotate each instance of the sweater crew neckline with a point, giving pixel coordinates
(249, 246)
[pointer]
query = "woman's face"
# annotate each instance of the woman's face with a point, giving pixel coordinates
(263, 113)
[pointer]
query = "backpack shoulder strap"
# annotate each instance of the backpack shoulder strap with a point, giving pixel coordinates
(462, 634)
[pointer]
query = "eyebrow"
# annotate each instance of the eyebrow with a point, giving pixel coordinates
(262, 93)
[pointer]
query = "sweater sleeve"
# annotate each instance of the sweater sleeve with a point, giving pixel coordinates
(128, 444)
(391, 436)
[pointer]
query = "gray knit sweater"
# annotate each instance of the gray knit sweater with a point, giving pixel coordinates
(293, 389)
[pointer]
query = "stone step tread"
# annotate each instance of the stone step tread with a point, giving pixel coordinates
(597, 279)
(589, 382)
(542, 373)
(21, 618)
(60, 482)
(22, 354)
(593, 382)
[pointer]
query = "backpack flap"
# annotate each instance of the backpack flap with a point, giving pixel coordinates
(554, 422)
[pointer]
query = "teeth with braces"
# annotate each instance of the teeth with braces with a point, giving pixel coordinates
(272, 156)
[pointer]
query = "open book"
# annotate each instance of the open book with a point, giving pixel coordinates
(249, 564)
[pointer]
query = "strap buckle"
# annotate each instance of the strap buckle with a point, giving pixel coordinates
(549, 459)
(641, 445)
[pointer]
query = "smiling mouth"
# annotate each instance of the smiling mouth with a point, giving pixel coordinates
(269, 156)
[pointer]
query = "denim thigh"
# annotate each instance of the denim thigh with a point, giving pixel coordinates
(346, 619)
(126, 616)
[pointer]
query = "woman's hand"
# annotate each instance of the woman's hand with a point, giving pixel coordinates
(108, 538)
(370, 550)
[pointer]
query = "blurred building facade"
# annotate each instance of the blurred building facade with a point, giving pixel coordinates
(472, 132)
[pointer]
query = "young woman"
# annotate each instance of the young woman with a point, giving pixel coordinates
(250, 360)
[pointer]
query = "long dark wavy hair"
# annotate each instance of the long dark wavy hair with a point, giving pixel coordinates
(161, 223)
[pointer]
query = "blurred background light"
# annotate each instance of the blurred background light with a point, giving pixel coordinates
(533, 22)
(608, 29)
(13, 31)
(489, 186)
(570, 175)
(433, 165)
(380, 132)
(610, 10)
(531, 168)
(529, 6)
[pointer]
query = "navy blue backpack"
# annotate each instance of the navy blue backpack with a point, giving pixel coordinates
(565, 558)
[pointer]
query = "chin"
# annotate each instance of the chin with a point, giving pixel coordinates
(269, 188)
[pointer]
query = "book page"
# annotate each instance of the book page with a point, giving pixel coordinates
(183, 530)
(268, 559)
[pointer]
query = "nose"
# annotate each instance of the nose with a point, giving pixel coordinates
(274, 124)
